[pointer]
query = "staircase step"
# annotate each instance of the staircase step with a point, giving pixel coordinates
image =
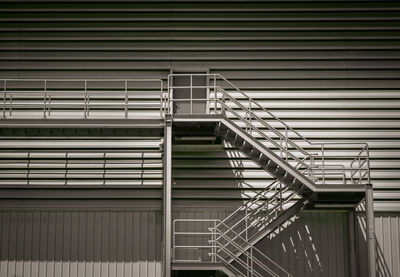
(230, 135)
(238, 142)
(271, 166)
(262, 160)
(254, 154)
(221, 130)
(246, 148)
(279, 172)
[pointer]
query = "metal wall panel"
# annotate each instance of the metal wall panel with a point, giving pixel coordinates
(387, 234)
(80, 243)
(330, 68)
(316, 243)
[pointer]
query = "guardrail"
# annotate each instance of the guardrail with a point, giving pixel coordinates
(81, 98)
(318, 161)
(210, 244)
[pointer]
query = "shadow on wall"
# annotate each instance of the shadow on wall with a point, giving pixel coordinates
(387, 243)
(315, 244)
(89, 243)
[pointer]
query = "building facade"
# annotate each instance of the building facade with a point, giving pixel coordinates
(82, 190)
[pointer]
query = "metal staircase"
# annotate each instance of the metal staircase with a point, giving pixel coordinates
(305, 173)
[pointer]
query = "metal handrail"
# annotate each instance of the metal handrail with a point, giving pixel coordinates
(286, 145)
(215, 243)
(42, 88)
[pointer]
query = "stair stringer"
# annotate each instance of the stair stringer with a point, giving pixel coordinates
(294, 180)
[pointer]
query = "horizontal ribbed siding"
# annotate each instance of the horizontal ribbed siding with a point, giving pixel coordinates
(330, 68)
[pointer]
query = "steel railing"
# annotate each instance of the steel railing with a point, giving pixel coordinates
(317, 161)
(81, 98)
(219, 247)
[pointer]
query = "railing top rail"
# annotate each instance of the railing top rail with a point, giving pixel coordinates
(80, 80)
(253, 101)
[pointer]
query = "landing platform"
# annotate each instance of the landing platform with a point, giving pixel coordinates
(187, 266)
(89, 127)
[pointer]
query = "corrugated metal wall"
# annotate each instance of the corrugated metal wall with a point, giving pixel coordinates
(387, 233)
(328, 68)
(80, 243)
(314, 244)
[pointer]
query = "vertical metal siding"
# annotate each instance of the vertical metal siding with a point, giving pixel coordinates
(316, 243)
(80, 243)
(387, 235)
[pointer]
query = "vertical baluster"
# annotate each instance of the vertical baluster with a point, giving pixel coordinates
(359, 170)
(28, 175)
(250, 115)
(11, 103)
(215, 242)
(191, 94)
(4, 98)
(85, 102)
(126, 99)
(215, 95)
(286, 142)
(368, 165)
(247, 239)
(251, 261)
(104, 168)
(66, 169)
(45, 98)
(173, 241)
(323, 163)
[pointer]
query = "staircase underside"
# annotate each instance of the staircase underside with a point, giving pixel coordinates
(205, 126)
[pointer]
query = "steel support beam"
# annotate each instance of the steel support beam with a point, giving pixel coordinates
(369, 210)
(167, 196)
(352, 239)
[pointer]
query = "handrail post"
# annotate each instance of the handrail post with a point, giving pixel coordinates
(247, 236)
(286, 143)
(359, 170)
(45, 98)
(85, 102)
(215, 241)
(173, 254)
(4, 99)
(250, 116)
(126, 99)
(368, 164)
(66, 169)
(215, 95)
(323, 163)
(29, 168)
(251, 260)
(191, 94)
